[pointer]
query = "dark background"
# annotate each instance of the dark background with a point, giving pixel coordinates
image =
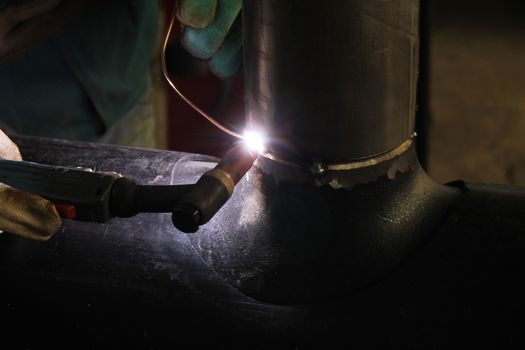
(477, 91)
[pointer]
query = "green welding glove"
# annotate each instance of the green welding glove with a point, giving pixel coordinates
(21, 213)
(213, 31)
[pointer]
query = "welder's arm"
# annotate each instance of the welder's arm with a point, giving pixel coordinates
(21, 213)
(25, 25)
(213, 32)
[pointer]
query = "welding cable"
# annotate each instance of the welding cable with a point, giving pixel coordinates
(184, 97)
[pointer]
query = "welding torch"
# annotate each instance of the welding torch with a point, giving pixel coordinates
(85, 195)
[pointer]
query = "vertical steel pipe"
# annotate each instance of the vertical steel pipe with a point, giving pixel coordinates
(331, 80)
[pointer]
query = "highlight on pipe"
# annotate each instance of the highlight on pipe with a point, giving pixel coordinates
(254, 140)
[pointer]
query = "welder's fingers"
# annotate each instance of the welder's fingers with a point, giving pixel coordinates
(196, 13)
(21, 213)
(27, 215)
(8, 150)
(228, 60)
(204, 43)
(220, 40)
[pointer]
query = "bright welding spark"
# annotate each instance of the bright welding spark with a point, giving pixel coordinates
(254, 141)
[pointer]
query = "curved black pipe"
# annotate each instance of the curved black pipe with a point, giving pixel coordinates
(333, 84)
(137, 282)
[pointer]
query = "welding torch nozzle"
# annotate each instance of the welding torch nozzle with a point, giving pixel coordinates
(212, 190)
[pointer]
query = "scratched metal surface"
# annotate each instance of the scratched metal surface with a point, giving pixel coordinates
(139, 281)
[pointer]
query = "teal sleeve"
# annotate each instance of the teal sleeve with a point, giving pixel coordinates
(109, 51)
(81, 82)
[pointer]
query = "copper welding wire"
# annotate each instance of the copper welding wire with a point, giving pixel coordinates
(184, 97)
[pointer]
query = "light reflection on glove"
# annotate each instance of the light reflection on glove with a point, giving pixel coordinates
(24, 214)
(213, 31)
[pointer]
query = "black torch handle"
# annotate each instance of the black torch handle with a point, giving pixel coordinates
(128, 198)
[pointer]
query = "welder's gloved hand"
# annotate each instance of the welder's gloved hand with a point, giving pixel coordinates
(213, 31)
(24, 214)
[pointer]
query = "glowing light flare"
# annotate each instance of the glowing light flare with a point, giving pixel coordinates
(255, 141)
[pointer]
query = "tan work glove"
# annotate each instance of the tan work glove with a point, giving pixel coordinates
(24, 214)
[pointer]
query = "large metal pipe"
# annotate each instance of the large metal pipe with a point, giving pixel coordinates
(333, 83)
(335, 79)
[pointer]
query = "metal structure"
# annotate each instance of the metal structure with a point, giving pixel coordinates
(340, 192)
(334, 82)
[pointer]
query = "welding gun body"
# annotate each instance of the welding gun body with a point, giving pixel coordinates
(85, 195)
(86, 191)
